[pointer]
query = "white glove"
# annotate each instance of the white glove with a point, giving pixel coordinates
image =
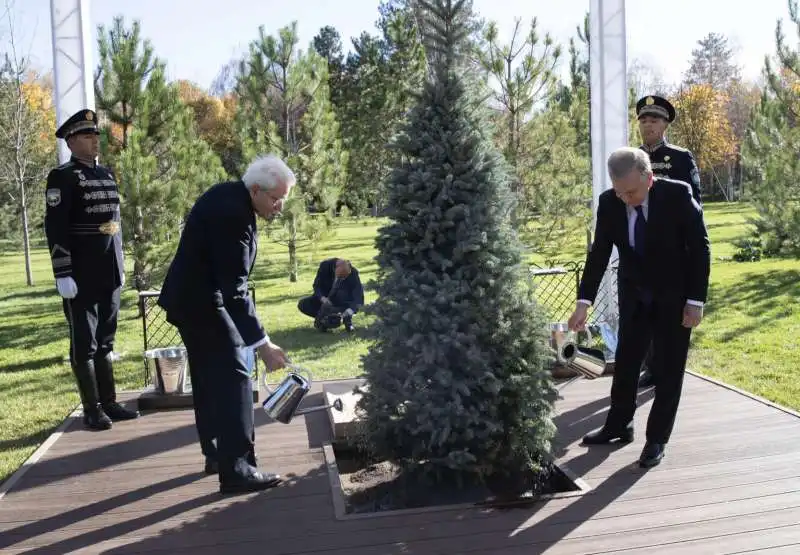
(67, 287)
(349, 312)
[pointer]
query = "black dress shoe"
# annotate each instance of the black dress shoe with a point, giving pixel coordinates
(96, 419)
(212, 466)
(604, 435)
(117, 412)
(257, 481)
(651, 454)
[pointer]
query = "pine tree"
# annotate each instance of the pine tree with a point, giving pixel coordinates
(455, 378)
(149, 138)
(771, 146)
(285, 108)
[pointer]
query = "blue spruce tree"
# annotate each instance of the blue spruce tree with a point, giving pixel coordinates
(456, 379)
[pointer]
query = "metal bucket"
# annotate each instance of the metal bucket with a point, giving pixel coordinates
(169, 376)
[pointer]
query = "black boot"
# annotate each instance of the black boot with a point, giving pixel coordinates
(93, 416)
(107, 391)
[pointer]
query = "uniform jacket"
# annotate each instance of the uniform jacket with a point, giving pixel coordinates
(677, 260)
(677, 163)
(208, 277)
(83, 226)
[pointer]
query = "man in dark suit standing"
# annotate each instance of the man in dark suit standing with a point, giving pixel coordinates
(658, 229)
(337, 290)
(205, 296)
(655, 114)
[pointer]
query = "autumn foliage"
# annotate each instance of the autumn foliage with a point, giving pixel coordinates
(38, 94)
(214, 117)
(703, 126)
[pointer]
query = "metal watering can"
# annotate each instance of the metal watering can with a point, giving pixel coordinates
(590, 363)
(282, 402)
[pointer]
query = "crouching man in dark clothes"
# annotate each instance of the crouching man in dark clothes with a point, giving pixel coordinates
(338, 294)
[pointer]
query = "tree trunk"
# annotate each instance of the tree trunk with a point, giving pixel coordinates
(138, 251)
(293, 249)
(26, 243)
(139, 277)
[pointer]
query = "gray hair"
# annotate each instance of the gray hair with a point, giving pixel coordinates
(627, 159)
(268, 172)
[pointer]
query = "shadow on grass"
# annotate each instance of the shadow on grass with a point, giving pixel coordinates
(314, 344)
(730, 225)
(35, 310)
(342, 249)
(765, 297)
(14, 336)
(28, 441)
(720, 207)
(39, 384)
(29, 294)
(36, 364)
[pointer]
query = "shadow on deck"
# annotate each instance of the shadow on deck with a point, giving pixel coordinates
(728, 484)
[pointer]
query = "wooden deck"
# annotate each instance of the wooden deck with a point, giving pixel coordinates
(729, 484)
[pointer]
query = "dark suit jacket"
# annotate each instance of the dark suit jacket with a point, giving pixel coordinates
(208, 277)
(677, 260)
(350, 293)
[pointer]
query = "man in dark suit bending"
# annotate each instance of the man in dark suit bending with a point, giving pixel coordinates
(205, 295)
(337, 290)
(664, 265)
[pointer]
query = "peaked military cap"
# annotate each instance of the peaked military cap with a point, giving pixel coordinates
(84, 121)
(655, 106)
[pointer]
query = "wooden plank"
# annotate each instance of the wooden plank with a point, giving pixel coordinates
(728, 484)
(226, 527)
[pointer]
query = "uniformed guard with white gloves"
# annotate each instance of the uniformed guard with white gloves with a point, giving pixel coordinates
(83, 227)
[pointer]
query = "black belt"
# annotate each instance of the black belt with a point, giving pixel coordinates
(111, 227)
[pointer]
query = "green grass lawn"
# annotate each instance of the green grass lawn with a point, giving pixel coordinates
(751, 332)
(749, 337)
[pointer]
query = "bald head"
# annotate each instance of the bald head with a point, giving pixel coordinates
(343, 268)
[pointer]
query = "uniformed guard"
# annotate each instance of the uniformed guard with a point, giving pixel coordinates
(83, 227)
(655, 114)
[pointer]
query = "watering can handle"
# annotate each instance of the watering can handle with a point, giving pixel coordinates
(302, 371)
(574, 335)
(264, 381)
(266, 371)
(293, 367)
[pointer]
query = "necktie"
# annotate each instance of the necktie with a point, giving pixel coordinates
(335, 287)
(639, 232)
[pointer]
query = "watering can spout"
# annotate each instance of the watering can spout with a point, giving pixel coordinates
(590, 363)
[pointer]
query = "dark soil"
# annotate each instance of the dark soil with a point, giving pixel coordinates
(371, 486)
